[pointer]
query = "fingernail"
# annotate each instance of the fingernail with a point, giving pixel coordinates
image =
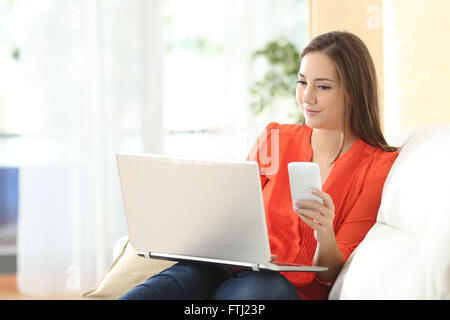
(312, 190)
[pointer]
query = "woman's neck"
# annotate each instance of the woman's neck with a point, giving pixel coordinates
(325, 143)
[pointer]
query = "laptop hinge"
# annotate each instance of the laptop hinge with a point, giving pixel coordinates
(255, 267)
(147, 255)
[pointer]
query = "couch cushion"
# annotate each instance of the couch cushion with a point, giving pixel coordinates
(405, 254)
(127, 271)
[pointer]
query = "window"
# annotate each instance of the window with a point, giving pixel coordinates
(87, 79)
(208, 71)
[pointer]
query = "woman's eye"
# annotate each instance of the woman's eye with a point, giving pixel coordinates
(303, 83)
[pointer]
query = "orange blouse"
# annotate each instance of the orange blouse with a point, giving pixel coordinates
(355, 184)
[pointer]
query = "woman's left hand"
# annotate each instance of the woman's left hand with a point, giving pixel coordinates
(317, 216)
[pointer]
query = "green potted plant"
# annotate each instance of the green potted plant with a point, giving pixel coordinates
(279, 81)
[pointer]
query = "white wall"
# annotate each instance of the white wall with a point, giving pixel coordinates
(416, 49)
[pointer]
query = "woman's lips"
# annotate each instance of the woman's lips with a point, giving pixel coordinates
(311, 112)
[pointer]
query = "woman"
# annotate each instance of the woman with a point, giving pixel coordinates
(337, 93)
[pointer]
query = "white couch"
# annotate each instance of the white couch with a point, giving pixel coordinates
(405, 255)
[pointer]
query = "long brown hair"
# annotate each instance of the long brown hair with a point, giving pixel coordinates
(356, 70)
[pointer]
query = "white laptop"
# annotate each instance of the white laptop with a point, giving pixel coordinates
(197, 210)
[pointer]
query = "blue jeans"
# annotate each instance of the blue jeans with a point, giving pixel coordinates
(195, 281)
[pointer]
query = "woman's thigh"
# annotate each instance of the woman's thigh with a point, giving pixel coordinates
(181, 281)
(257, 285)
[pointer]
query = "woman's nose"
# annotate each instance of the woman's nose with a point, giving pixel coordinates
(309, 95)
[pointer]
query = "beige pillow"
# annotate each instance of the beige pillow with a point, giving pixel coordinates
(127, 271)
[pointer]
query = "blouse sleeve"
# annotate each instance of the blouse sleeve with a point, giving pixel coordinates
(363, 214)
(361, 218)
(261, 152)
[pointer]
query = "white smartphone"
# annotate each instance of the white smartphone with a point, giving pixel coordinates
(302, 177)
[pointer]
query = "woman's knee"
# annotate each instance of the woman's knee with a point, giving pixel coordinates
(197, 272)
(263, 285)
(181, 281)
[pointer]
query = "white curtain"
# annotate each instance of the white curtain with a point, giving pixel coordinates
(90, 84)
